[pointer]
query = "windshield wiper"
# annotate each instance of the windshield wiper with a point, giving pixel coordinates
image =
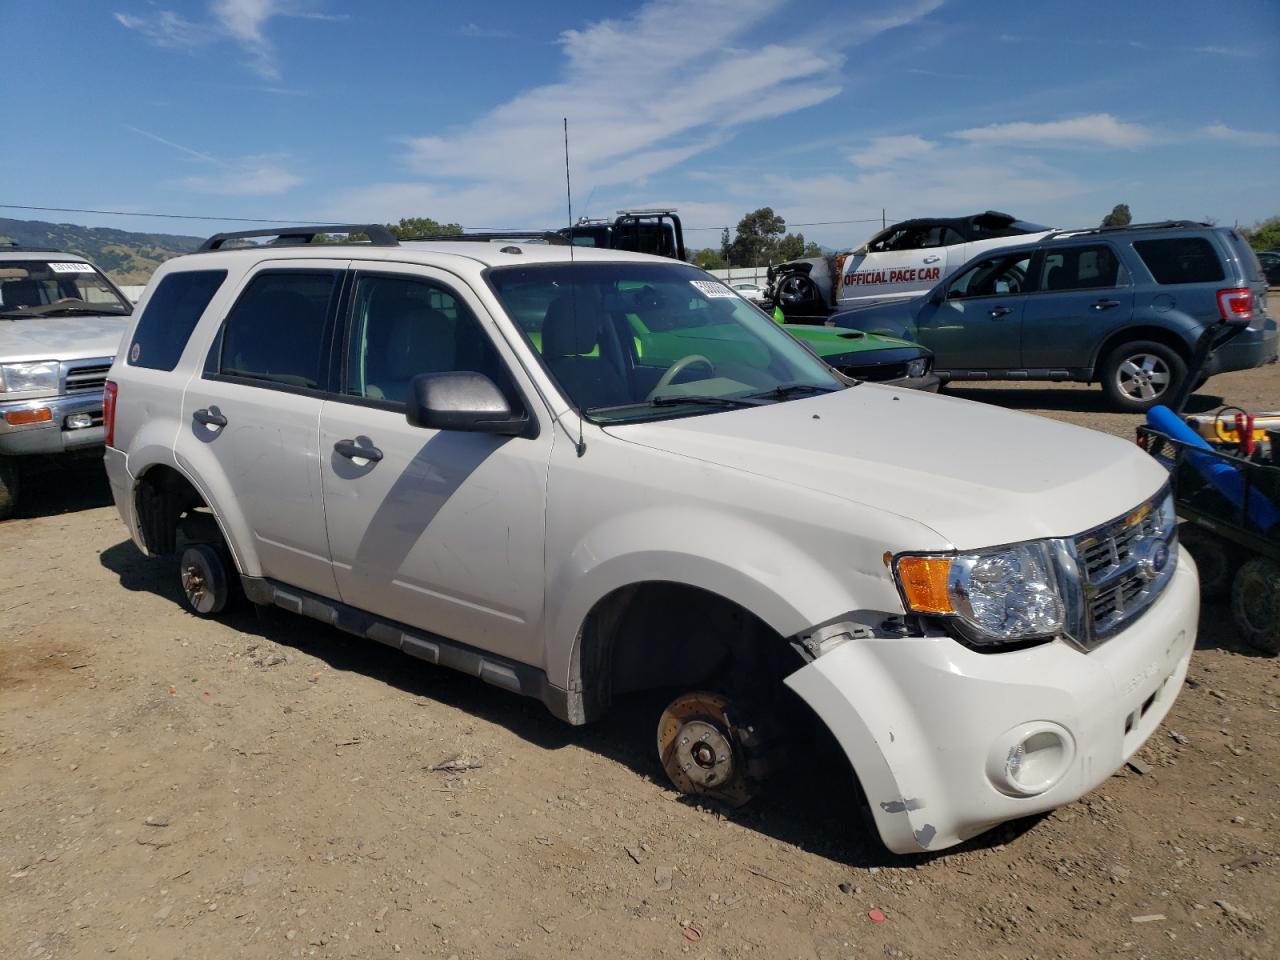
(786, 390)
(675, 400)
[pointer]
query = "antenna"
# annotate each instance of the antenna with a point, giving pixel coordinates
(573, 286)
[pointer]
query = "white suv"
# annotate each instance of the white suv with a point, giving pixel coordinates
(487, 456)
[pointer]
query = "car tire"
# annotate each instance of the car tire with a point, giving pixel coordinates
(1255, 604)
(1140, 374)
(204, 576)
(1216, 559)
(9, 481)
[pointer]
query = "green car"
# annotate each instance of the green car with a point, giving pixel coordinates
(868, 356)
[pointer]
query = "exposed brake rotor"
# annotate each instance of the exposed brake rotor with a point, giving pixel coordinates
(701, 748)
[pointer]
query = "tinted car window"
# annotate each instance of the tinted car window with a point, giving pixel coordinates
(401, 327)
(276, 331)
(992, 277)
(1180, 260)
(1079, 268)
(171, 314)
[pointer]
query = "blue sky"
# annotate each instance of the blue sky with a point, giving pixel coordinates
(302, 109)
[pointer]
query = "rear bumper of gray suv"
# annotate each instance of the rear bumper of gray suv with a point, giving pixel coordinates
(1253, 348)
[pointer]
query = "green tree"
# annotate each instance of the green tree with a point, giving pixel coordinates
(757, 238)
(793, 246)
(708, 259)
(1264, 235)
(1118, 217)
(423, 227)
(725, 246)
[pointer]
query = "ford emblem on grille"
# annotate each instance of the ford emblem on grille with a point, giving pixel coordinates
(1153, 557)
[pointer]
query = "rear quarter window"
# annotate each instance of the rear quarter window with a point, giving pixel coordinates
(165, 326)
(1177, 260)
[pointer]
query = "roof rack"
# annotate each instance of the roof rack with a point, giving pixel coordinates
(18, 245)
(545, 236)
(379, 236)
(1155, 225)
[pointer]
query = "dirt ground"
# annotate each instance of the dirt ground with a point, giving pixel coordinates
(269, 787)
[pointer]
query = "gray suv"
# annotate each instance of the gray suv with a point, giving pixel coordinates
(1119, 306)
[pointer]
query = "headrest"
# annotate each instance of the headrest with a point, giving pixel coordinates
(567, 331)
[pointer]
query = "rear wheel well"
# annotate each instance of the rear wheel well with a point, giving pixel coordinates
(168, 504)
(660, 634)
(1135, 334)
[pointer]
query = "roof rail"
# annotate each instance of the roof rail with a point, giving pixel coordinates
(379, 236)
(546, 236)
(18, 245)
(1154, 225)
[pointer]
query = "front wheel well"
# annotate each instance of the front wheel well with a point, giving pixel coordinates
(167, 504)
(660, 634)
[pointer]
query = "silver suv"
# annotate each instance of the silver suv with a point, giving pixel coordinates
(61, 321)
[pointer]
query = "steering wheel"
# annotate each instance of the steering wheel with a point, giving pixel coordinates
(678, 368)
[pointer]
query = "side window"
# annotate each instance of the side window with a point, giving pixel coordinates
(172, 313)
(401, 327)
(993, 277)
(1080, 268)
(1180, 260)
(276, 330)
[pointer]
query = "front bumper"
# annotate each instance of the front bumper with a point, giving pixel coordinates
(921, 718)
(54, 435)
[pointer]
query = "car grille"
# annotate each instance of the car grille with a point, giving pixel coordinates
(875, 373)
(1124, 564)
(91, 375)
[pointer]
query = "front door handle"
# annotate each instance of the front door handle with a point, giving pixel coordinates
(999, 312)
(932, 258)
(353, 451)
(210, 418)
(1106, 304)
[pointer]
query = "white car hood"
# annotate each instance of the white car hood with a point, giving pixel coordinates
(977, 475)
(60, 338)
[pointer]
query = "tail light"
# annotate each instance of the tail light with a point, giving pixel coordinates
(109, 412)
(1236, 304)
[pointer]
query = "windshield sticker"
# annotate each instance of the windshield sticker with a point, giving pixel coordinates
(70, 268)
(135, 352)
(712, 288)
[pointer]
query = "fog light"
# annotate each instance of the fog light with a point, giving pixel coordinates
(18, 418)
(78, 421)
(1030, 759)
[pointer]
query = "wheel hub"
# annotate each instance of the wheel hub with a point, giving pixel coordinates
(193, 583)
(699, 746)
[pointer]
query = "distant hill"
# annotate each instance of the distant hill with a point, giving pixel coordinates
(126, 257)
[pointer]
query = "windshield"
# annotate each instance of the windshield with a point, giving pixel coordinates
(58, 287)
(643, 341)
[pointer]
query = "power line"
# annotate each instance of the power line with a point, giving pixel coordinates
(163, 216)
(816, 223)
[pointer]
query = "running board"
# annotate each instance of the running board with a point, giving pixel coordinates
(521, 678)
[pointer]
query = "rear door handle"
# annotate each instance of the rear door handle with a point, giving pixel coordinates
(1106, 304)
(999, 312)
(210, 418)
(353, 451)
(932, 258)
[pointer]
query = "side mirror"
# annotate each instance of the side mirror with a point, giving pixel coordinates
(937, 296)
(463, 401)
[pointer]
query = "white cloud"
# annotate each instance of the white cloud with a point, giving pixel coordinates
(167, 29)
(264, 176)
(1243, 138)
(886, 150)
(642, 94)
(1098, 129)
(241, 21)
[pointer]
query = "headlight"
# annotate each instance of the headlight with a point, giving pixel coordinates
(19, 377)
(995, 596)
(918, 367)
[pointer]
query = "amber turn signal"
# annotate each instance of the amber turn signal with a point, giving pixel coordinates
(18, 418)
(924, 583)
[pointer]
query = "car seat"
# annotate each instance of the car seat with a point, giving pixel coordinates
(571, 331)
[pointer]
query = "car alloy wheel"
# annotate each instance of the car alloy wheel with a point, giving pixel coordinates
(1143, 377)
